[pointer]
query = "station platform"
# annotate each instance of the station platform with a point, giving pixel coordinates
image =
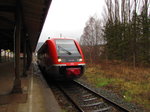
(36, 96)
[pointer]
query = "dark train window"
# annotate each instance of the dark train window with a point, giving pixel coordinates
(66, 47)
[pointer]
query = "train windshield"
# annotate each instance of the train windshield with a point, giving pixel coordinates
(66, 47)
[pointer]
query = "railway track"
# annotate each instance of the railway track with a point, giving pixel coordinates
(87, 100)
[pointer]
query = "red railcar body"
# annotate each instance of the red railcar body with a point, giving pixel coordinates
(61, 58)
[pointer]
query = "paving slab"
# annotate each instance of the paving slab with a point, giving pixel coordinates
(36, 96)
(7, 76)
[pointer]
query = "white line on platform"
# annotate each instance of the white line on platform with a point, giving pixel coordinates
(31, 90)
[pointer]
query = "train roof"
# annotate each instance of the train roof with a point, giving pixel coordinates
(52, 39)
(61, 39)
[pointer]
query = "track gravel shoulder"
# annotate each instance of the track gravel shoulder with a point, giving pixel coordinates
(113, 97)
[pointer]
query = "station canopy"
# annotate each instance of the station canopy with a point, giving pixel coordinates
(33, 15)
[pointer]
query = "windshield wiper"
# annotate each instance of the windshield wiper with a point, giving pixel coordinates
(68, 52)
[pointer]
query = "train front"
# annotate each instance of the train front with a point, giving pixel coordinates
(70, 61)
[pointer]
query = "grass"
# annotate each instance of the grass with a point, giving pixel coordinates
(63, 110)
(103, 82)
(132, 84)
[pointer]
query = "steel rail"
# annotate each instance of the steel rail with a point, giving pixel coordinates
(114, 104)
(78, 106)
(70, 99)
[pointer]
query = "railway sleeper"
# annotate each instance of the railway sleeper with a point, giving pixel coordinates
(84, 92)
(103, 109)
(90, 99)
(86, 95)
(93, 104)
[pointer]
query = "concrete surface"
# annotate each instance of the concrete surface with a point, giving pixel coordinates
(6, 77)
(36, 96)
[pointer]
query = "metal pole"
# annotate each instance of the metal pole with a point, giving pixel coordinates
(24, 57)
(17, 81)
(5, 56)
(29, 54)
(0, 55)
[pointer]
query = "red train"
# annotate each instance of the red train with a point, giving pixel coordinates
(61, 58)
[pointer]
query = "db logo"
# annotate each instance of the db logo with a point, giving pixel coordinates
(71, 63)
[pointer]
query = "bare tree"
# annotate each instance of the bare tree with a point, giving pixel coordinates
(92, 38)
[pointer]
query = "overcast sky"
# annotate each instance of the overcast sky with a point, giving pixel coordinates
(68, 17)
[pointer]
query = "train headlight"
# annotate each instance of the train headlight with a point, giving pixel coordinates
(80, 59)
(59, 60)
